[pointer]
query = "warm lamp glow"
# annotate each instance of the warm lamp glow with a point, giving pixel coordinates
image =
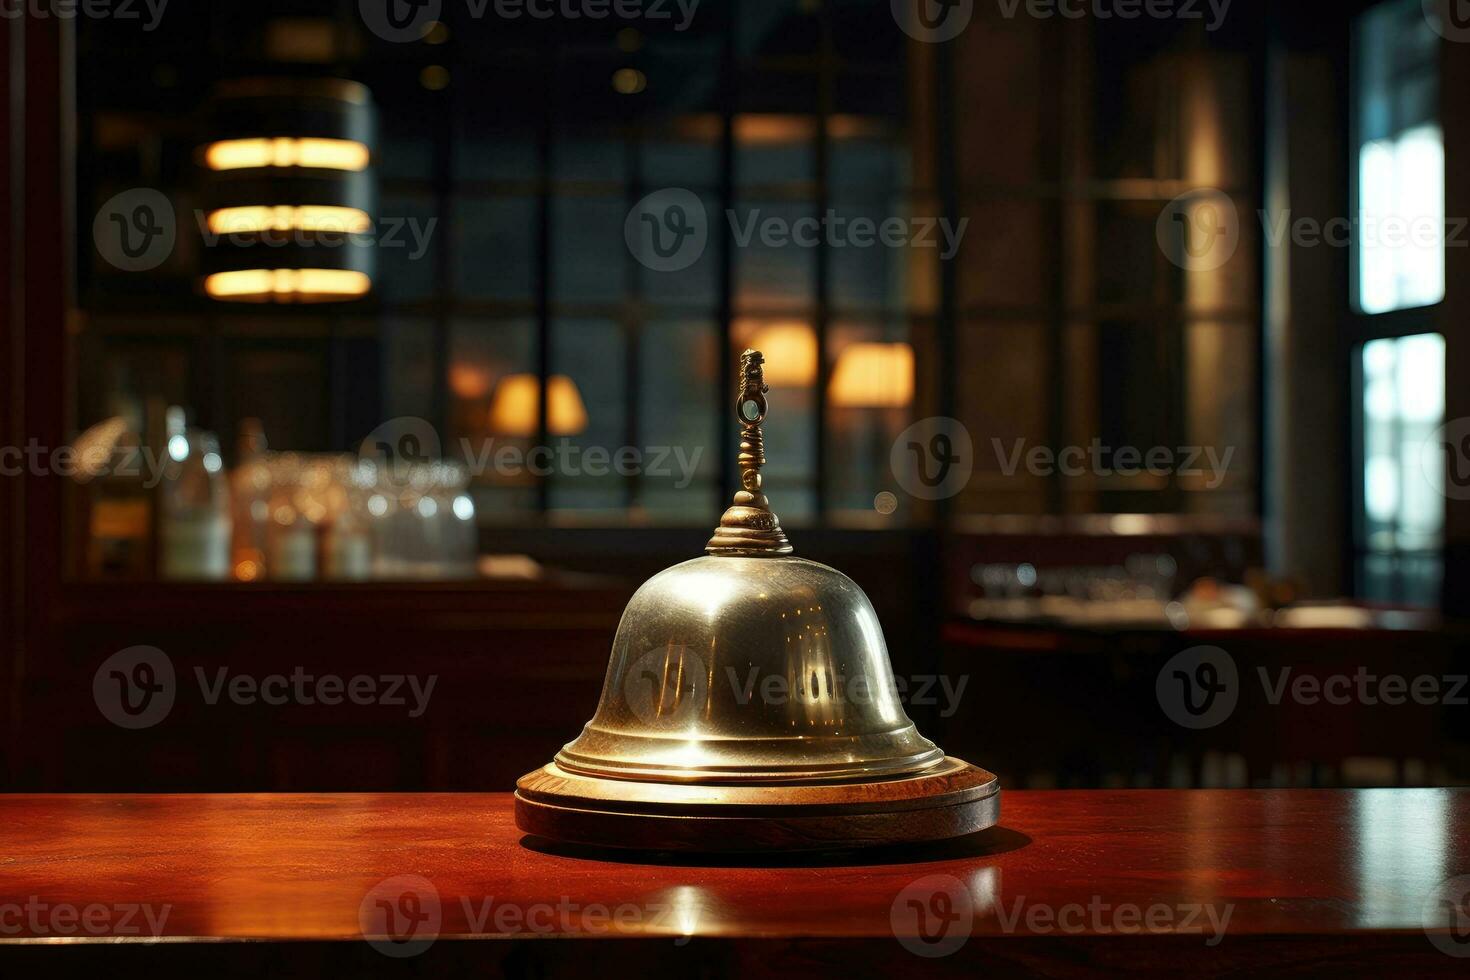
(874, 376)
(468, 381)
(515, 407)
(791, 353)
(284, 217)
(287, 151)
(286, 285)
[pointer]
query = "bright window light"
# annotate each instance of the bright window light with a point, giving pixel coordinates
(1401, 221)
(1403, 406)
(1400, 166)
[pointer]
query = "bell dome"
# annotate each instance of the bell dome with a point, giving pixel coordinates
(739, 669)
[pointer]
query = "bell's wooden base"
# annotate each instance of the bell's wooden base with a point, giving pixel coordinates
(948, 800)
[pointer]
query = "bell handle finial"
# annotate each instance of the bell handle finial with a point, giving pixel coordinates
(750, 409)
(748, 526)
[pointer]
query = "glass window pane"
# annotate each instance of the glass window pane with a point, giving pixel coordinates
(483, 355)
(1005, 404)
(1403, 457)
(773, 271)
(871, 401)
(591, 354)
(589, 256)
(495, 246)
(676, 420)
(407, 255)
(1400, 233)
(1220, 398)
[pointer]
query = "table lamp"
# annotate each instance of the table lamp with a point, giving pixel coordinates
(516, 406)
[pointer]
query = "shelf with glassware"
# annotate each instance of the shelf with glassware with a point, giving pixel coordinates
(157, 503)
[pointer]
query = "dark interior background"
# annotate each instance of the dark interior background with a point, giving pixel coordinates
(1060, 319)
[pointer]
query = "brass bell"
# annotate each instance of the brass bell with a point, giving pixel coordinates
(749, 704)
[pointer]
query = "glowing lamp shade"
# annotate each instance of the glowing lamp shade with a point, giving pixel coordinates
(791, 353)
(874, 376)
(282, 218)
(289, 191)
(287, 285)
(287, 151)
(515, 408)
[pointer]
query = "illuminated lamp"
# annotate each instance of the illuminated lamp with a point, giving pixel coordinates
(289, 192)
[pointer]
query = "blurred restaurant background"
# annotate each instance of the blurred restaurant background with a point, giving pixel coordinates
(335, 345)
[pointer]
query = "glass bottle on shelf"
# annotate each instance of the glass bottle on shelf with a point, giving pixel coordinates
(250, 486)
(291, 540)
(347, 550)
(194, 504)
(112, 472)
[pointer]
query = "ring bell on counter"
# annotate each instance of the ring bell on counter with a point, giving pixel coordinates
(686, 750)
(175, 513)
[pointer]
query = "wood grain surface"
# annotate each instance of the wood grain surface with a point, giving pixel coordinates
(1071, 883)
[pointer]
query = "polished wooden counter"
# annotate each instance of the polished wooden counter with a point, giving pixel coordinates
(1071, 883)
